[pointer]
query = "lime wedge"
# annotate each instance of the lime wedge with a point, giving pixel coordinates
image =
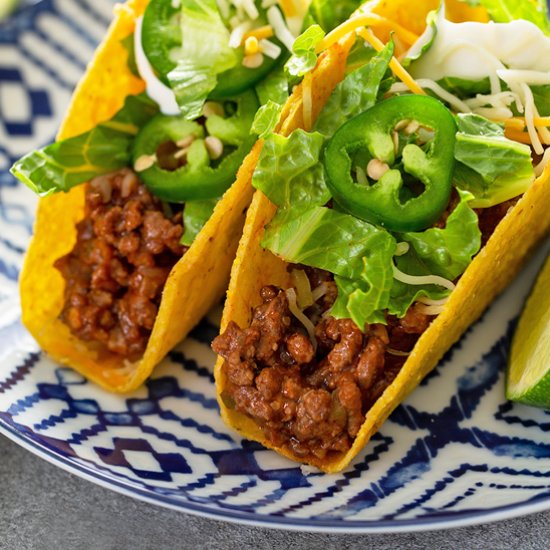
(528, 379)
(6, 7)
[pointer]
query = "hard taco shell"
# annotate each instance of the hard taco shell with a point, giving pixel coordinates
(196, 282)
(490, 272)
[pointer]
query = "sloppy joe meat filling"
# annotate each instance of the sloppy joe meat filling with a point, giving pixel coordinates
(125, 248)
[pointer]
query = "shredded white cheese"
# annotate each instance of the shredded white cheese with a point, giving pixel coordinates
(539, 168)
(269, 48)
(280, 29)
(299, 314)
(422, 279)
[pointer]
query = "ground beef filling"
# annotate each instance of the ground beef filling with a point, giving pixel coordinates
(311, 401)
(125, 248)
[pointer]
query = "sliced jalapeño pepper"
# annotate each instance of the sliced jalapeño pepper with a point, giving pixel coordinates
(181, 160)
(404, 147)
(161, 42)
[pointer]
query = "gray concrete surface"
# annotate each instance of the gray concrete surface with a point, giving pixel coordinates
(43, 507)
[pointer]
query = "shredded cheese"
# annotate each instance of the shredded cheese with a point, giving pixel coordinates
(266, 31)
(422, 279)
(429, 310)
(443, 94)
(307, 101)
(360, 21)
(319, 291)
(270, 49)
(534, 78)
(238, 33)
(396, 67)
(288, 7)
(398, 352)
(251, 46)
(299, 314)
(530, 110)
(280, 29)
(539, 168)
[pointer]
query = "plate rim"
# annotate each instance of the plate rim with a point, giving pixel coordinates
(459, 519)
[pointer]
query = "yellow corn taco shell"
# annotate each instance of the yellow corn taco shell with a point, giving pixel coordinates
(490, 272)
(194, 285)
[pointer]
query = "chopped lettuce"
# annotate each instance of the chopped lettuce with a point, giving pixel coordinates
(303, 57)
(402, 295)
(541, 95)
(105, 148)
(492, 168)
(358, 254)
(311, 239)
(330, 13)
(273, 87)
(355, 94)
(201, 61)
(195, 215)
(447, 251)
(266, 119)
(503, 11)
(365, 299)
(289, 171)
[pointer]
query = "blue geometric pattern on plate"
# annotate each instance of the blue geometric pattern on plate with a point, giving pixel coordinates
(454, 453)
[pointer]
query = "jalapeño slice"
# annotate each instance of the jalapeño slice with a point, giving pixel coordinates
(177, 162)
(161, 41)
(413, 184)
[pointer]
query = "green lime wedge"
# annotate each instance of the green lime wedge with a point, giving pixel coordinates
(528, 379)
(6, 7)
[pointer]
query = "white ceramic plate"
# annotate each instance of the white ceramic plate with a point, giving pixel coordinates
(455, 453)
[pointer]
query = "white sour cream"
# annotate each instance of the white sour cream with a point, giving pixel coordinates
(156, 89)
(474, 51)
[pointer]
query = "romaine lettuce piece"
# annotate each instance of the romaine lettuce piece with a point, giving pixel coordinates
(355, 94)
(105, 148)
(492, 168)
(303, 57)
(195, 215)
(289, 171)
(447, 251)
(330, 13)
(195, 74)
(503, 11)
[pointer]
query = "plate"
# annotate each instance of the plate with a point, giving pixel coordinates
(455, 453)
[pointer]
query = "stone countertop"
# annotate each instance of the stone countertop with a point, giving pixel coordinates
(44, 507)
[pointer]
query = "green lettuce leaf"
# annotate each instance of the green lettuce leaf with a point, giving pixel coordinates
(195, 215)
(448, 251)
(358, 254)
(303, 57)
(366, 298)
(266, 119)
(289, 172)
(355, 94)
(273, 87)
(492, 168)
(195, 74)
(503, 11)
(107, 147)
(402, 295)
(541, 95)
(330, 13)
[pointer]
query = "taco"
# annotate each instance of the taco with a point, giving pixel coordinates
(385, 220)
(142, 206)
